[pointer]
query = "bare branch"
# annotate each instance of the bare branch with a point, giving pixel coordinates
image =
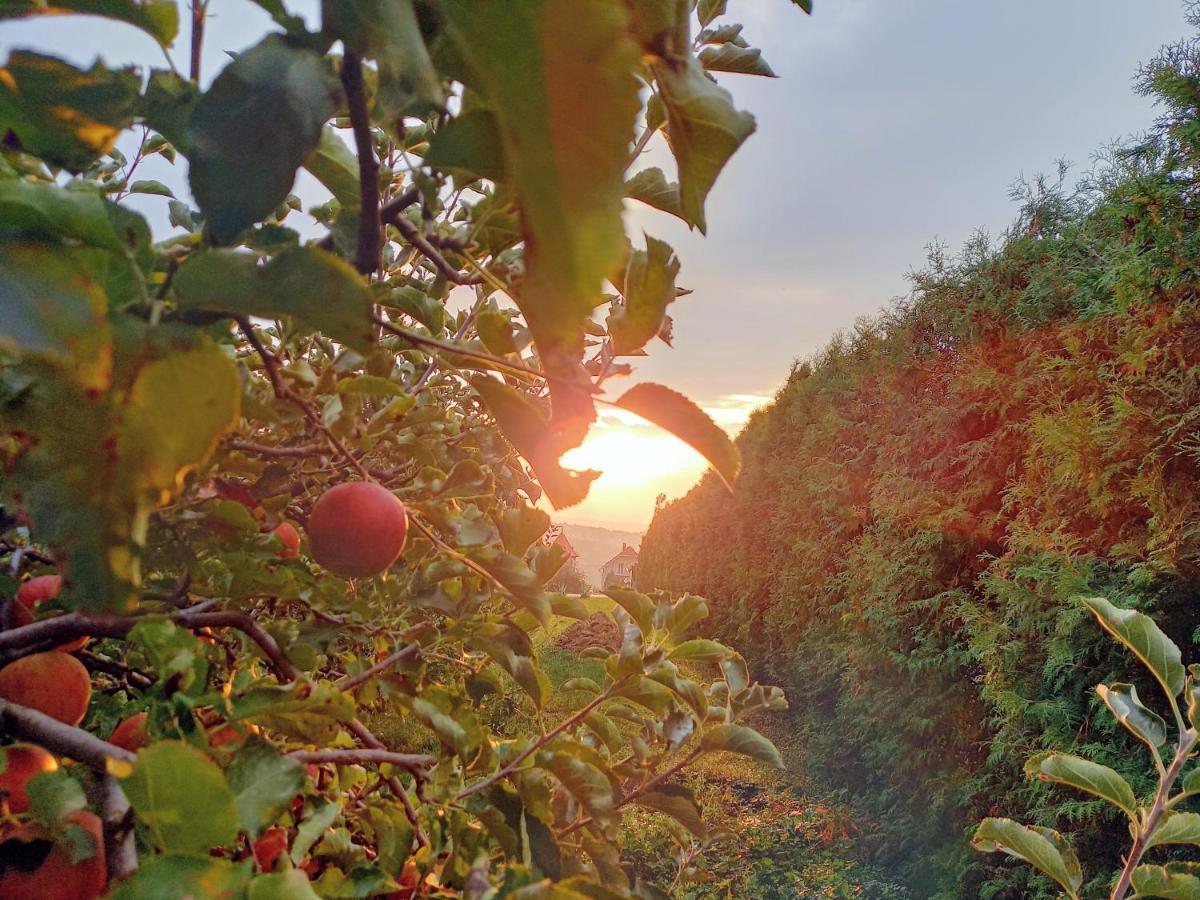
(413, 235)
(59, 738)
(415, 763)
(350, 682)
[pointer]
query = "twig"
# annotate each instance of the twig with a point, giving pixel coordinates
(60, 738)
(422, 341)
(414, 763)
(413, 235)
(199, 11)
(368, 739)
(350, 682)
(370, 240)
(538, 744)
(302, 451)
(135, 677)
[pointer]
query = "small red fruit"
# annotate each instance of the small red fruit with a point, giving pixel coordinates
(52, 683)
(38, 590)
(32, 865)
(269, 847)
(290, 538)
(23, 762)
(132, 734)
(357, 529)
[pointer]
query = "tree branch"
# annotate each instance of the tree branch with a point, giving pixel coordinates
(350, 682)
(538, 744)
(370, 238)
(414, 763)
(28, 638)
(59, 738)
(413, 235)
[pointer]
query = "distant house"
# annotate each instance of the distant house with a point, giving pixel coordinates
(619, 569)
(556, 537)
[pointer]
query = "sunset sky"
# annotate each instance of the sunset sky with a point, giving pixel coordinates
(892, 124)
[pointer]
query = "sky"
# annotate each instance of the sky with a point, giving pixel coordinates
(893, 124)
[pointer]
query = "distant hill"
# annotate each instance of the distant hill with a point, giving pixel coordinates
(597, 546)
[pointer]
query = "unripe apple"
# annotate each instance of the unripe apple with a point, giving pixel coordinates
(52, 683)
(23, 761)
(38, 590)
(357, 529)
(131, 734)
(290, 538)
(32, 865)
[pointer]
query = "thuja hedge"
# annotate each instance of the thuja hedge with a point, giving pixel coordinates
(924, 499)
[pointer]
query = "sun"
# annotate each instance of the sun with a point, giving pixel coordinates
(631, 455)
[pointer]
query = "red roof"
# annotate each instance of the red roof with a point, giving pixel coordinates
(626, 551)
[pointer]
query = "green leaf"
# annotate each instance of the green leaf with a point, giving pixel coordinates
(729, 57)
(520, 526)
(469, 143)
(175, 875)
(559, 77)
(648, 286)
(53, 796)
(320, 289)
(314, 826)
(528, 430)
(743, 740)
(155, 188)
(1176, 828)
(290, 885)
(583, 781)
(312, 714)
(50, 306)
(158, 18)
(1122, 701)
(253, 128)
(1084, 775)
(387, 30)
(177, 410)
(167, 105)
(1138, 632)
(679, 803)
(1042, 848)
(1169, 882)
(374, 385)
(496, 332)
(677, 414)
(638, 605)
(805, 5)
(704, 130)
(699, 650)
(91, 108)
(707, 10)
(651, 187)
(263, 783)
(50, 213)
(332, 164)
(181, 797)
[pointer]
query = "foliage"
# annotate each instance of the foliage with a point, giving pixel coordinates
(173, 406)
(924, 497)
(570, 579)
(1159, 822)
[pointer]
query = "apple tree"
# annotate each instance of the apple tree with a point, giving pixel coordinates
(273, 478)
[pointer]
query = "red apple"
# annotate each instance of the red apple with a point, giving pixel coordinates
(289, 537)
(23, 762)
(357, 529)
(38, 590)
